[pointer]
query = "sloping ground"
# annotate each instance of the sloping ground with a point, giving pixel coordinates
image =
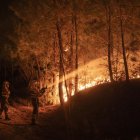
(104, 112)
(108, 111)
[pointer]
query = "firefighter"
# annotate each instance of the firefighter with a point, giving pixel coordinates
(4, 100)
(35, 93)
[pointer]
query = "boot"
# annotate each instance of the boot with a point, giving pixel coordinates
(7, 118)
(33, 120)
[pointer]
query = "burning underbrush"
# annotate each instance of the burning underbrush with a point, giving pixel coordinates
(91, 83)
(92, 74)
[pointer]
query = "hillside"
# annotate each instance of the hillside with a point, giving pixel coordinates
(108, 111)
(104, 112)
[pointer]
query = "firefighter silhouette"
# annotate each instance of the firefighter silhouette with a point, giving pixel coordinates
(4, 100)
(35, 93)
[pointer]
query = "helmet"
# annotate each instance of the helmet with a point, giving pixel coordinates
(6, 84)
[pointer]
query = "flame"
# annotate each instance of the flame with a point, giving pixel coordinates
(138, 76)
(91, 78)
(65, 93)
(87, 85)
(65, 98)
(98, 80)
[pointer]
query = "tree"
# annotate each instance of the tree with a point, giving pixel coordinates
(123, 46)
(110, 45)
(76, 42)
(61, 67)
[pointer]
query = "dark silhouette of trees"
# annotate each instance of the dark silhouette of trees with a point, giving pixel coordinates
(110, 42)
(123, 46)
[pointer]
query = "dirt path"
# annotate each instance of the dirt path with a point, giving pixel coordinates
(50, 126)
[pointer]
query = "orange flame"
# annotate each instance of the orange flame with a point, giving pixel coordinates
(96, 81)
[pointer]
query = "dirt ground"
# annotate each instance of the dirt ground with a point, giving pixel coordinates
(49, 126)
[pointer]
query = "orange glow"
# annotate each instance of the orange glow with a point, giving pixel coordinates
(135, 77)
(96, 81)
(65, 93)
(90, 75)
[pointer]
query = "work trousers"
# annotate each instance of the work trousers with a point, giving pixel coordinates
(4, 106)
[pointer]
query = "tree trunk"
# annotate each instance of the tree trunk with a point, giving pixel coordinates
(12, 73)
(76, 57)
(71, 52)
(60, 64)
(38, 71)
(110, 43)
(1, 73)
(123, 47)
(5, 70)
(54, 48)
(71, 64)
(85, 70)
(54, 89)
(116, 63)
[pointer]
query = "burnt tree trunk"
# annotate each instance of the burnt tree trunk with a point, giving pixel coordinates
(1, 71)
(54, 48)
(12, 73)
(5, 70)
(116, 64)
(38, 71)
(71, 51)
(76, 55)
(61, 57)
(123, 47)
(38, 67)
(71, 63)
(60, 65)
(110, 43)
